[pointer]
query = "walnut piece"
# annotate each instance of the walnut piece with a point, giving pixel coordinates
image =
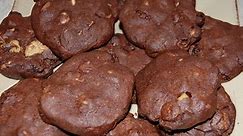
(15, 47)
(35, 47)
(182, 97)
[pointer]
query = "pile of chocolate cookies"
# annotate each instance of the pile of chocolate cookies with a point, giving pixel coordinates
(170, 61)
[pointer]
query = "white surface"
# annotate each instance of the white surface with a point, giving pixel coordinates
(225, 11)
(240, 11)
(4, 10)
(220, 9)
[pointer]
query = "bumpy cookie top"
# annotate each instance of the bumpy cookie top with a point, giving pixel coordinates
(178, 90)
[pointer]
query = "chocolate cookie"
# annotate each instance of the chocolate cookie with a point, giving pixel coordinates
(21, 54)
(126, 53)
(134, 127)
(19, 114)
(158, 25)
(177, 90)
(221, 124)
(72, 26)
(221, 43)
(88, 94)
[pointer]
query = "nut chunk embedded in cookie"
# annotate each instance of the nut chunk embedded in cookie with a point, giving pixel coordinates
(21, 54)
(221, 124)
(88, 94)
(178, 90)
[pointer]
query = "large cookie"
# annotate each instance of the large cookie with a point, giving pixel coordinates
(134, 127)
(158, 25)
(222, 44)
(19, 114)
(21, 54)
(126, 53)
(221, 124)
(177, 90)
(72, 26)
(88, 94)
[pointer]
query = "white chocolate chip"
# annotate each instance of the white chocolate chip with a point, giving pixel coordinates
(79, 80)
(177, 4)
(12, 29)
(146, 3)
(15, 47)
(35, 47)
(109, 5)
(64, 18)
(47, 5)
(109, 71)
(85, 102)
(182, 97)
(108, 16)
(91, 23)
(180, 60)
(73, 2)
(3, 66)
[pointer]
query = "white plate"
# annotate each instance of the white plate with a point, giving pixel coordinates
(225, 10)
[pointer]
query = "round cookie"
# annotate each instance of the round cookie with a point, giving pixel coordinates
(177, 90)
(21, 54)
(126, 53)
(158, 25)
(221, 43)
(222, 123)
(88, 94)
(72, 26)
(19, 114)
(134, 127)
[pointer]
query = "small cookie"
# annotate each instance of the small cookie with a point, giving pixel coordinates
(21, 54)
(72, 26)
(177, 90)
(126, 53)
(134, 127)
(159, 25)
(222, 123)
(19, 114)
(221, 43)
(88, 94)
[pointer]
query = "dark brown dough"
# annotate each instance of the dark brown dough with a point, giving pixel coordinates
(19, 114)
(21, 54)
(222, 44)
(88, 94)
(178, 90)
(126, 53)
(72, 26)
(134, 127)
(222, 123)
(158, 25)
